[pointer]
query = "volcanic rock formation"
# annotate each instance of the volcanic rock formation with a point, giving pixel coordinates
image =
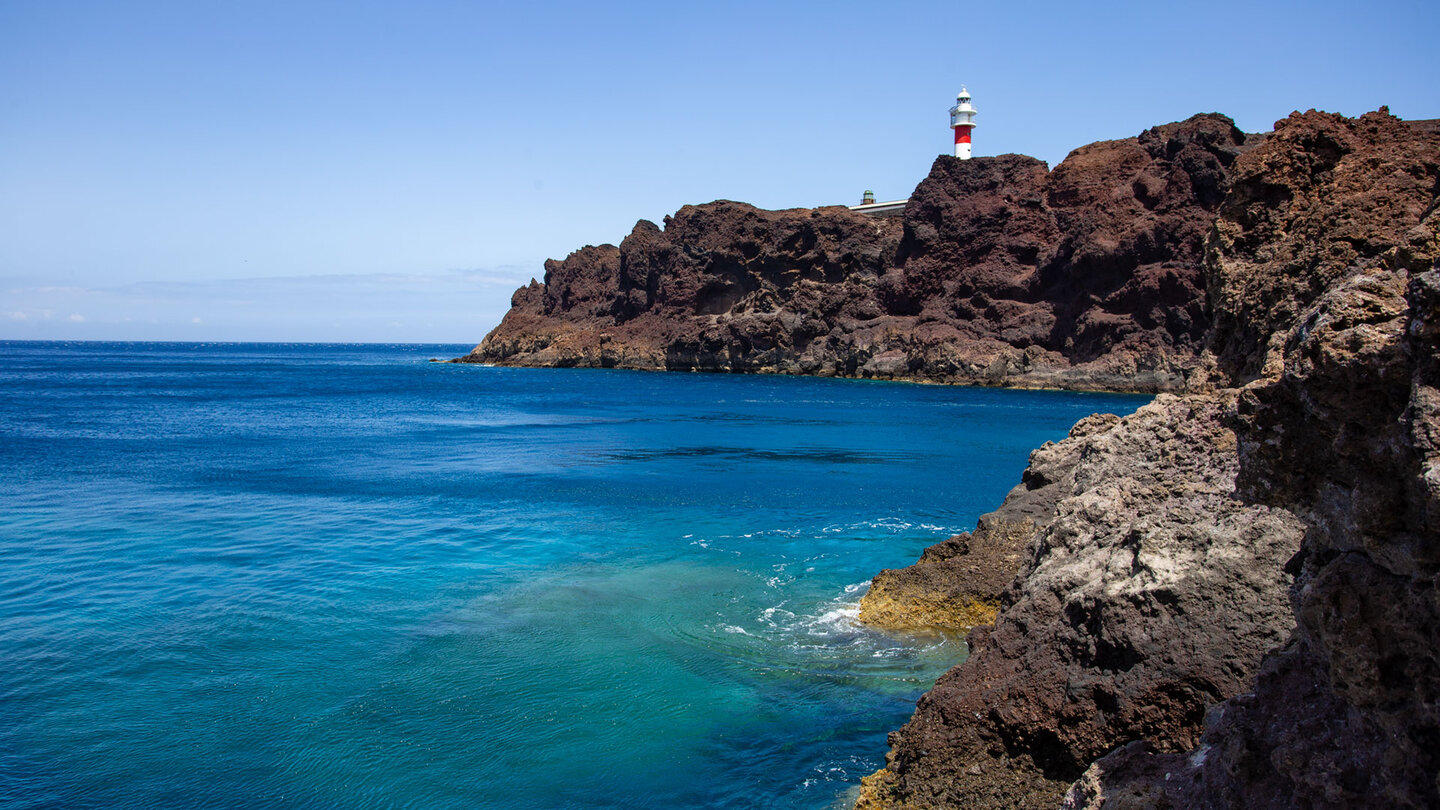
(999, 273)
(1151, 593)
(1230, 598)
(957, 584)
(1157, 584)
(1327, 254)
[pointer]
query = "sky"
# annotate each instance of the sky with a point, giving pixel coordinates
(391, 172)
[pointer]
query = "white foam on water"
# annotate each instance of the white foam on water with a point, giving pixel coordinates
(838, 619)
(886, 525)
(768, 614)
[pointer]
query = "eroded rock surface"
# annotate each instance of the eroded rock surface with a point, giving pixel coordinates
(1342, 426)
(1325, 296)
(1152, 593)
(999, 273)
(957, 583)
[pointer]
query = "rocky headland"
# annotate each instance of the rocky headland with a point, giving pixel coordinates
(1000, 272)
(1230, 598)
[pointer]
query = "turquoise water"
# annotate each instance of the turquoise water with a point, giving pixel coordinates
(340, 576)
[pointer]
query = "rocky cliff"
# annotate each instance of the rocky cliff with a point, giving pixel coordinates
(1332, 304)
(1233, 600)
(1226, 599)
(1000, 273)
(1151, 592)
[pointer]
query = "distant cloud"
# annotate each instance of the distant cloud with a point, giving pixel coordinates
(506, 277)
(450, 306)
(35, 315)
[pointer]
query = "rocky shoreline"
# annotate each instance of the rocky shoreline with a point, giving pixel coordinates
(1150, 592)
(1230, 598)
(999, 273)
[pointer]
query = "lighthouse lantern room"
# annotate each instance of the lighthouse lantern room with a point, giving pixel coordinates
(962, 120)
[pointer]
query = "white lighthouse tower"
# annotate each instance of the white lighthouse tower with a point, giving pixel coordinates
(962, 120)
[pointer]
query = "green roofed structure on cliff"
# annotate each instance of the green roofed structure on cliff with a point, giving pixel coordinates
(962, 121)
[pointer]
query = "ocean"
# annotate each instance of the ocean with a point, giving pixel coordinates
(340, 576)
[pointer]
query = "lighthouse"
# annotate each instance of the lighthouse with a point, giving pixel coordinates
(962, 120)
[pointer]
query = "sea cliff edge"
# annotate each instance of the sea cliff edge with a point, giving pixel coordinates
(1226, 599)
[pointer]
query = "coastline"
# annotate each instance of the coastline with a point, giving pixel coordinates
(1018, 383)
(459, 552)
(1312, 253)
(1270, 493)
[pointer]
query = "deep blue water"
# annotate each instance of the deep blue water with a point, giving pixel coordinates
(264, 575)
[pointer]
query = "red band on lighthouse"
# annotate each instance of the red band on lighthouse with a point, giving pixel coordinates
(962, 120)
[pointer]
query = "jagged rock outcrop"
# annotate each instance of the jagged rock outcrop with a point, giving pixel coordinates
(1343, 426)
(1324, 292)
(1330, 196)
(1152, 593)
(999, 273)
(957, 583)
(1226, 599)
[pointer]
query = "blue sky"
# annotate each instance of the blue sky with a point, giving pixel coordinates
(362, 171)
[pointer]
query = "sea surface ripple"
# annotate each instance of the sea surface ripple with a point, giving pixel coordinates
(316, 576)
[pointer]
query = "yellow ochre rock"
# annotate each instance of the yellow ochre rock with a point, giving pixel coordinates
(955, 585)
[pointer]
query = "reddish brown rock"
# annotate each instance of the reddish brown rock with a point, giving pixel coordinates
(999, 273)
(1327, 196)
(1128, 273)
(1342, 427)
(1152, 593)
(1322, 270)
(725, 287)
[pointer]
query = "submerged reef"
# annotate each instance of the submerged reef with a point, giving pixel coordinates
(1226, 599)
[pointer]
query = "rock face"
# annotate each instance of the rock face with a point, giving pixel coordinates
(1230, 598)
(1000, 273)
(1343, 426)
(1152, 592)
(1161, 580)
(958, 583)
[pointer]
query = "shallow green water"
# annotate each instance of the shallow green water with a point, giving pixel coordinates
(339, 576)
